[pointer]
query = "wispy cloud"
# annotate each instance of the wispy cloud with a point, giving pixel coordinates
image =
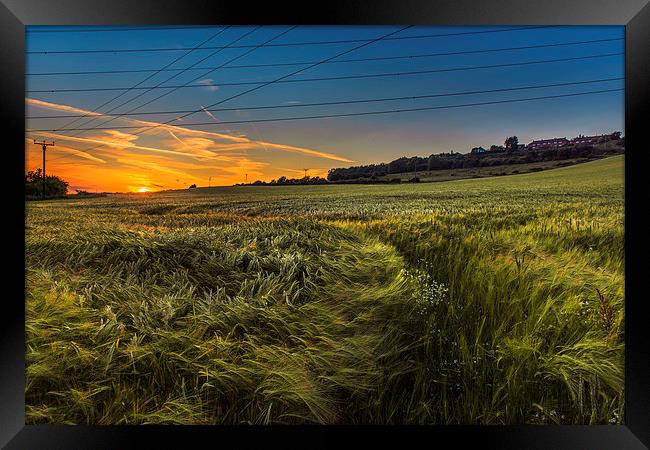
(81, 154)
(292, 149)
(71, 151)
(240, 138)
(125, 145)
(166, 153)
(209, 84)
(58, 107)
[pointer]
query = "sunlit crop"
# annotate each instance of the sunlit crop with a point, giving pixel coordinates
(482, 301)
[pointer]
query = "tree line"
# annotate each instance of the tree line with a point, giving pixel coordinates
(284, 181)
(441, 161)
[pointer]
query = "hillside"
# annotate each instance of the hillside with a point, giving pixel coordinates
(447, 166)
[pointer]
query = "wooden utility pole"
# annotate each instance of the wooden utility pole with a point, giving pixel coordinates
(210, 182)
(305, 172)
(44, 145)
(246, 178)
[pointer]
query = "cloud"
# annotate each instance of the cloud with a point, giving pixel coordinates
(60, 148)
(82, 154)
(118, 138)
(58, 107)
(150, 165)
(292, 149)
(291, 170)
(209, 84)
(198, 145)
(210, 143)
(145, 123)
(124, 145)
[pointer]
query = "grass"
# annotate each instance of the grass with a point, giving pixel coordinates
(490, 301)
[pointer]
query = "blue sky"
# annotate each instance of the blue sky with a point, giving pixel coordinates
(269, 150)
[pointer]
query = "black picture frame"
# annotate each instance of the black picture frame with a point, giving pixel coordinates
(634, 14)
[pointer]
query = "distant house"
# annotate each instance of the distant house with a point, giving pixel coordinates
(580, 139)
(546, 144)
(497, 149)
(521, 147)
(478, 150)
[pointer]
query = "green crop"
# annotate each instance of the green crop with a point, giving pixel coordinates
(479, 301)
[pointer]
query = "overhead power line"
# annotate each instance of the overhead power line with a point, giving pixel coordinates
(399, 110)
(174, 89)
(345, 52)
(288, 44)
(343, 77)
(267, 83)
(393, 111)
(369, 113)
(350, 114)
(347, 102)
(407, 110)
(381, 58)
(159, 85)
(115, 116)
(150, 76)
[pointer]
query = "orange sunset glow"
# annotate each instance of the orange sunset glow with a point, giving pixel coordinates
(151, 110)
(169, 157)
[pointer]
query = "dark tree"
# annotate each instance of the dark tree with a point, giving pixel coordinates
(511, 143)
(54, 186)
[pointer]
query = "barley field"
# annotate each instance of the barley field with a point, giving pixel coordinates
(480, 301)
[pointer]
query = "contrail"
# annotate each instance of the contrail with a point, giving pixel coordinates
(175, 137)
(209, 113)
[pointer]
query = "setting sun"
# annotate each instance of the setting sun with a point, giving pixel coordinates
(143, 189)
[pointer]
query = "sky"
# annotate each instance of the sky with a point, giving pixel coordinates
(140, 152)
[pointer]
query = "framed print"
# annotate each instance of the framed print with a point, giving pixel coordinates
(389, 219)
